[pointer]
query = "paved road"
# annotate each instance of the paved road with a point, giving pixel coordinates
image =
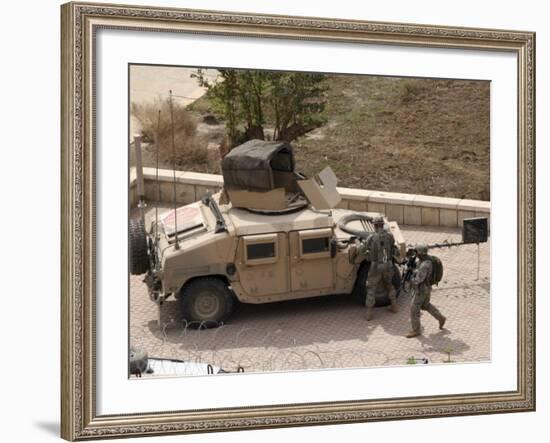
(331, 332)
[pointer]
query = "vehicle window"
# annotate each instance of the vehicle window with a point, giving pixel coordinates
(313, 245)
(260, 250)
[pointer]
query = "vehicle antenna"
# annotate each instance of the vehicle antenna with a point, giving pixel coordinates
(157, 142)
(177, 246)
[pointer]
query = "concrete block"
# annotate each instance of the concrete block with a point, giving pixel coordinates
(412, 215)
(430, 217)
(357, 205)
(376, 207)
(474, 205)
(343, 204)
(392, 198)
(200, 190)
(166, 191)
(199, 178)
(464, 214)
(150, 191)
(185, 193)
(354, 194)
(395, 213)
(448, 217)
(429, 201)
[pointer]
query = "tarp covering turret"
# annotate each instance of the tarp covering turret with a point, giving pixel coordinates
(253, 165)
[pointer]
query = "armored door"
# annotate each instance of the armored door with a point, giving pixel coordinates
(311, 264)
(263, 264)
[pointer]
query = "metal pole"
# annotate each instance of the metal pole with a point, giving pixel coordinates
(139, 176)
(176, 245)
(157, 148)
(478, 261)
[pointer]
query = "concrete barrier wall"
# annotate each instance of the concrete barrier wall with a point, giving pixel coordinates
(410, 209)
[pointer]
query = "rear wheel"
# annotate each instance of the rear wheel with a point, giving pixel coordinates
(206, 302)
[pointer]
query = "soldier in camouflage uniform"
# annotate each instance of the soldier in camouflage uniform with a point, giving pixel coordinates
(380, 250)
(422, 289)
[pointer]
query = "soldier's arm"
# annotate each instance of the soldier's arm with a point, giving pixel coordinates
(394, 248)
(421, 273)
(367, 245)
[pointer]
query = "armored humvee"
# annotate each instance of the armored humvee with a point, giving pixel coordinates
(269, 235)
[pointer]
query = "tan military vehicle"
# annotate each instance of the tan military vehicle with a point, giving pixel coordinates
(270, 235)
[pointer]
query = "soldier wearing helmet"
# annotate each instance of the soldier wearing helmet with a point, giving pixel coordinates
(422, 289)
(380, 250)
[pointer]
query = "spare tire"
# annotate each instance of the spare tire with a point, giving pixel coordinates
(139, 257)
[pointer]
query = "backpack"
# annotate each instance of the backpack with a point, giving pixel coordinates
(437, 270)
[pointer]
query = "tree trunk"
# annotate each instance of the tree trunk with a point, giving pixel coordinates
(255, 132)
(294, 131)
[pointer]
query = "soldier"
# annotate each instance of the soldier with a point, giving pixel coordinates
(380, 250)
(422, 289)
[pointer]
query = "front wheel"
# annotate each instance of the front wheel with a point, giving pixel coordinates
(206, 302)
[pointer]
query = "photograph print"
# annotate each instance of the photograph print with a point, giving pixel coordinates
(296, 221)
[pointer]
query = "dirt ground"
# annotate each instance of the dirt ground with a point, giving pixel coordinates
(417, 136)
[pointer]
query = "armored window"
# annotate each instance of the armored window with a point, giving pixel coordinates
(313, 245)
(260, 249)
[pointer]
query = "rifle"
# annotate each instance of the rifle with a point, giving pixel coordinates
(410, 266)
(474, 231)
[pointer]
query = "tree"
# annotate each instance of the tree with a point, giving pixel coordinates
(158, 129)
(288, 104)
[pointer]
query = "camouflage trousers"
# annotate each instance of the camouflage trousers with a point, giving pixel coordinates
(380, 273)
(421, 301)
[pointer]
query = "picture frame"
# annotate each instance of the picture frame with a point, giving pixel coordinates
(80, 243)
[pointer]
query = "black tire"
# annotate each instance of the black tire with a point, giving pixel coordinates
(206, 302)
(139, 257)
(360, 288)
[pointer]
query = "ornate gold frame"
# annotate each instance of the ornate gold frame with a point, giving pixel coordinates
(78, 417)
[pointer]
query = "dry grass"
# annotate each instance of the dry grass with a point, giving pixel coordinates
(189, 147)
(419, 136)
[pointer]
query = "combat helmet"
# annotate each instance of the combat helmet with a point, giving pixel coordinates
(378, 221)
(421, 249)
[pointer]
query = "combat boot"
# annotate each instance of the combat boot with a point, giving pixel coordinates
(393, 307)
(413, 333)
(368, 315)
(442, 321)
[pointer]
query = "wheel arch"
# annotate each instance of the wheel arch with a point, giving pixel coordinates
(221, 277)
